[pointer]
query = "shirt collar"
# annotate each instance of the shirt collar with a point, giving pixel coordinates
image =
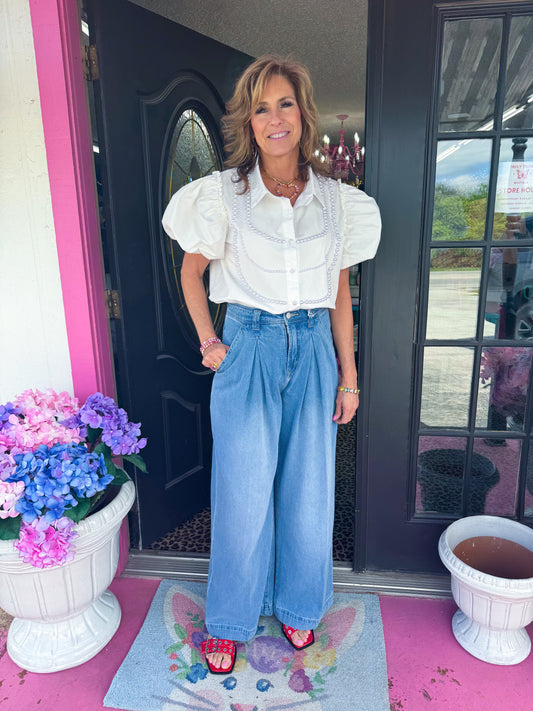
(258, 189)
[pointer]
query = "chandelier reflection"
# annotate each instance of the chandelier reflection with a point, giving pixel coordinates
(348, 165)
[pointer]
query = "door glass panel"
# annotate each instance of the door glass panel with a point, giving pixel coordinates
(469, 74)
(513, 211)
(192, 152)
(446, 386)
(440, 474)
(453, 292)
(518, 112)
(509, 306)
(461, 189)
(503, 386)
(494, 477)
(528, 498)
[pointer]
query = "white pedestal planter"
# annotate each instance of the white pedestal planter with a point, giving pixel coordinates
(65, 615)
(493, 611)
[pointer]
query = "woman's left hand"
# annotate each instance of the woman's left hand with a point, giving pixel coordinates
(345, 407)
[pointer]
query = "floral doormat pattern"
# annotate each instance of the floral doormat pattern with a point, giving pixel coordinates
(164, 669)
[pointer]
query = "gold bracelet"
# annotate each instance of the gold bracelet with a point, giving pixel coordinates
(342, 389)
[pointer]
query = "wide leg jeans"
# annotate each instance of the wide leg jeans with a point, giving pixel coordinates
(272, 493)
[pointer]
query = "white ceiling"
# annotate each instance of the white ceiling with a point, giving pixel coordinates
(329, 37)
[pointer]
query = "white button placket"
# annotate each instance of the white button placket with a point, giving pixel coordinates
(291, 256)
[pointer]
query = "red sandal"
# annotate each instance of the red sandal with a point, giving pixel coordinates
(222, 646)
(289, 631)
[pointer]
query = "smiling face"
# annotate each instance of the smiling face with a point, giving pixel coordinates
(276, 122)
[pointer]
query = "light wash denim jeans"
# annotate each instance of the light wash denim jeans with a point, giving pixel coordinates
(273, 475)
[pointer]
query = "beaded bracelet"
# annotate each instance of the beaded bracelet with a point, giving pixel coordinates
(342, 389)
(210, 341)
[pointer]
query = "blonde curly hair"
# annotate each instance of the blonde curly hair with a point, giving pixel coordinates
(239, 141)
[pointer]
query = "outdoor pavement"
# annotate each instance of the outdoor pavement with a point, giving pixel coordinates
(427, 669)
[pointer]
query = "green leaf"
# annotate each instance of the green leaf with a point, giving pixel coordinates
(174, 648)
(120, 476)
(76, 513)
(182, 675)
(318, 678)
(10, 528)
(137, 460)
(102, 448)
(195, 657)
(180, 631)
(93, 434)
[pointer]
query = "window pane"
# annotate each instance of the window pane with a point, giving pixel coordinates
(528, 502)
(453, 293)
(461, 189)
(469, 74)
(503, 387)
(509, 308)
(446, 386)
(513, 211)
(518, 112)
(494, 477)
(440, 474)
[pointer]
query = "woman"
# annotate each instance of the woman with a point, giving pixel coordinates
(279, 237)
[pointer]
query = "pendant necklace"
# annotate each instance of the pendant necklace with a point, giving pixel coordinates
(282, 184)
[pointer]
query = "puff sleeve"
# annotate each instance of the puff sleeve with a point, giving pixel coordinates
(361, 226)
(196, 217)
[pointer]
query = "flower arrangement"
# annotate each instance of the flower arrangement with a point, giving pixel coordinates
(56, 460)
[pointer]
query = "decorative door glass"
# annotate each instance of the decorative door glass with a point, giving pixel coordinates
(193, 153)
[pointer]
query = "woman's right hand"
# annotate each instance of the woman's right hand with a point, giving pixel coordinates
(214, 355)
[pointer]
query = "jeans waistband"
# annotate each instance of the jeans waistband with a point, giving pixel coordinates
(257, 317)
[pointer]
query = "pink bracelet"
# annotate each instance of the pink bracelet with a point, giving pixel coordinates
(210, 341)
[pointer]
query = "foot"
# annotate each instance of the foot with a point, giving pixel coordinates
(219, 660)
(300, 639)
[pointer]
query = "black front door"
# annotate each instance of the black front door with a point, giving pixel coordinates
(160, 95)
(447, 414)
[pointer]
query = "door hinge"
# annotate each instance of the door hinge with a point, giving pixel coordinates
(112, 304)
(89, 60)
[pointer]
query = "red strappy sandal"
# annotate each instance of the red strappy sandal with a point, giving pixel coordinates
(289, 631)
(222, 646)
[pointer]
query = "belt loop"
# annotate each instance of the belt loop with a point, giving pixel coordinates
(310, 316)
(256, 320)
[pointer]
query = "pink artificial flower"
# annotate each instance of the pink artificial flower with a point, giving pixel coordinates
(10, 493)
(40, 421)
(44, 545)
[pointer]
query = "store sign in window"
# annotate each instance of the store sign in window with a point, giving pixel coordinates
(514, 190)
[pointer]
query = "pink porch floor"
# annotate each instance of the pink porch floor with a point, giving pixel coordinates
(427, 669)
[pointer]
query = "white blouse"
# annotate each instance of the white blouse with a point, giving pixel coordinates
(265, 253)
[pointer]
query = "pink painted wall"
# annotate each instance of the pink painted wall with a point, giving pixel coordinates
(56, 35)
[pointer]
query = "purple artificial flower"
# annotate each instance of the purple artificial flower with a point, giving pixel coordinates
(7, 466)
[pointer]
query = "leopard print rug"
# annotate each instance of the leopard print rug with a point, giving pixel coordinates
(193, 536)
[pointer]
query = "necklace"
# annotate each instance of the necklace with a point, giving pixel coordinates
(281, 184)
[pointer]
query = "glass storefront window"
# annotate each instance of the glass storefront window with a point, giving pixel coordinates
(494, 484)
(453, 293)
(446, 384)
(461, 189)
(469, 74)
(513, 211)
(440, 474)
(518, 110)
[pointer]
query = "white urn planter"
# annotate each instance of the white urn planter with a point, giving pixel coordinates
(65, 615)
(493, 611)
